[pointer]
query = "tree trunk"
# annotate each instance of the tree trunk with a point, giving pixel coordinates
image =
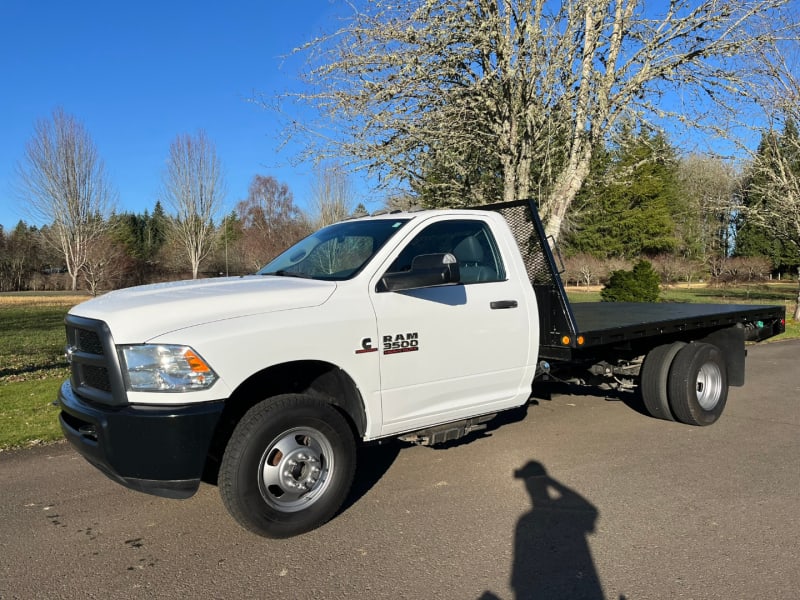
(564, 192)
(797, 303)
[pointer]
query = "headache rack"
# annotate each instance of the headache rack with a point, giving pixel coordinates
(557, 325)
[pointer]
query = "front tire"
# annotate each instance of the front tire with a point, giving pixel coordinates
(288, 466)
(698, 384)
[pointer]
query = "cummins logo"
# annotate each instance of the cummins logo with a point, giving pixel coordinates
(392, 344)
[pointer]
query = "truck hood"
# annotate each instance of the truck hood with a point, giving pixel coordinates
(141, 313)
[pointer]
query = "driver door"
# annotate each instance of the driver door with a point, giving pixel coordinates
(451, 351)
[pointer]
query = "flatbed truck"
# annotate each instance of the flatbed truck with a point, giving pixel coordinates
(421, 326)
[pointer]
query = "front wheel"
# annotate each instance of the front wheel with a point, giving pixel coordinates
(288, 466)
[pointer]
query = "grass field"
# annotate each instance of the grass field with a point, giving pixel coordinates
(32, 364)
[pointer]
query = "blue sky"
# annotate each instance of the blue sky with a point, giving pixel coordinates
(137, 74)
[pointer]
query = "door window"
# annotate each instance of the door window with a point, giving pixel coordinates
(470, 241)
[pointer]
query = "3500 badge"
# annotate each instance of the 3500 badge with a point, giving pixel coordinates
(401, 342)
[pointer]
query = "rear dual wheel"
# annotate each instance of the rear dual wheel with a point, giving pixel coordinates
(698, 384)
(655, 378)
(685, 382)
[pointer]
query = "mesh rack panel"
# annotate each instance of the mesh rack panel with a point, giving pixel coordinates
(518, 217)
(555, 315)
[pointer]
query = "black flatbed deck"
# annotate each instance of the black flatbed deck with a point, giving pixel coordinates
(600, 324)
(607, 322)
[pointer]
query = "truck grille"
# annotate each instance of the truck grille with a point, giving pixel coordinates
(88, 341)
(95, 370)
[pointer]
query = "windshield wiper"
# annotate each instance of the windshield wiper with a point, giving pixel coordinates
(285, 273)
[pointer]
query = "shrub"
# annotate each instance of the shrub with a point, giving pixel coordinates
(637, 285)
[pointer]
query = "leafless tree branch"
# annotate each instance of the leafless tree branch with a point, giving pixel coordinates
(63, 183)
(533, 87)
(193, 189)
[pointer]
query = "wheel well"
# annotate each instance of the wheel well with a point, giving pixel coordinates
(316, 378)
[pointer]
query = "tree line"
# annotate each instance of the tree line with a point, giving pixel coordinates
(691, 216)
(86, 244)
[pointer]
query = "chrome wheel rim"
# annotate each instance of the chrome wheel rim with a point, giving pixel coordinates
(709, 385)
(295, 469)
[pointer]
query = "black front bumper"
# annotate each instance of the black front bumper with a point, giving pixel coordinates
(159, 450)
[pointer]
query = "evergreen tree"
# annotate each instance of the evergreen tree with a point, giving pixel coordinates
(627, 210)
(640, 284)
(143, 236)
(360, 211)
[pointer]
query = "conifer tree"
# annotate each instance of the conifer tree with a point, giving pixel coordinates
(627, 209)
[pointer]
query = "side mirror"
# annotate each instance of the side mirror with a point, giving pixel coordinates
(427, 270)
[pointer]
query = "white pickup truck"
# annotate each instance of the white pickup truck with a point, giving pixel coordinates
(418, 325)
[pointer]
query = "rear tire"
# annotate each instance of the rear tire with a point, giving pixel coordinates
(288, 466)
(654, 378)
(698, 384)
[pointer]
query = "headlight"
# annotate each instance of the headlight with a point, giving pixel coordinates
(165, 368)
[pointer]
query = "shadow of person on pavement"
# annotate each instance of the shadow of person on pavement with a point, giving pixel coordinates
(552, 558)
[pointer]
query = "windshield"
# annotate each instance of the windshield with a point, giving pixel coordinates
(336, 252)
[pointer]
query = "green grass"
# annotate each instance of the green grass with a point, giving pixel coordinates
(792, 331)
(768, 293)
(32, 367)
(27, 414)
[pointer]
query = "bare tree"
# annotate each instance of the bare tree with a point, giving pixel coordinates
(270, 220)
(689, 269)
(63, 182)
(193, 189)
(529, 88)
(668, 267)
(106, 264)
(586, 269)
(331, 196)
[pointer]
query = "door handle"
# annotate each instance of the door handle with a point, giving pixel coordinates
(498, 304)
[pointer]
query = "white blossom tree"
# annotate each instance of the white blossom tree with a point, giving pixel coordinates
(522, 90)
(775, 169)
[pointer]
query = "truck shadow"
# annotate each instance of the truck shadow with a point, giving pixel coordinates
(630, 398)
(552, 557)
(372, 462)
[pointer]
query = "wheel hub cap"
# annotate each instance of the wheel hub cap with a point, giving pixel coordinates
(295, 469)
(709, 385)
(300, 471)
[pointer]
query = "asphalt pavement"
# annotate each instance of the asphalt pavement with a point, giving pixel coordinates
(580, 496)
